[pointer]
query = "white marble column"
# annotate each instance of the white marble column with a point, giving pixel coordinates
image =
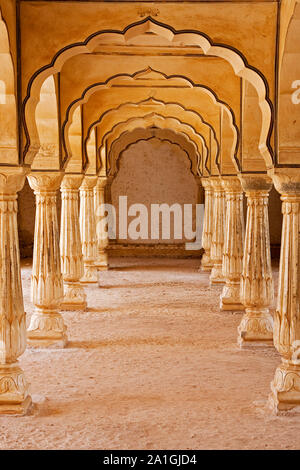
(286, 384)
(47, 328)
(14, 390)
(88, 229)
(218, 230)
(101, 231)
(234, 244)
(206, 262)
(257, 293)
(70, 244)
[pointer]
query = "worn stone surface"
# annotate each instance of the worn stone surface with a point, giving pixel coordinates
(152, 353)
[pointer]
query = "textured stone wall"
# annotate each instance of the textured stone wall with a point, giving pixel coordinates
(150, 172)
(155, 172)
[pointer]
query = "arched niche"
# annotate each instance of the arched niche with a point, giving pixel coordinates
(8, 112)
(126, 139)
(106, 123)
(46, 115)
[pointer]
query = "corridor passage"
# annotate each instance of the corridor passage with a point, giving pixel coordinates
(151, 364)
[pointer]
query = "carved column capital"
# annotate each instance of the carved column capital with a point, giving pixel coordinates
(71, 181)
(232, 184)
(41, 181)
(12, 179)
(216, 183)
(286, 180)
(255, 183)
(206, 183)
(101, 182)
(89, 182)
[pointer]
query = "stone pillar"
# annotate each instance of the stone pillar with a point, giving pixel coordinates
(47, 328)
(102, 234)
(256, 327)
(88, 228)
(218, 230)
(14, 390)
(234, 244)
(286, 384)
(206, 262)
(70, 244)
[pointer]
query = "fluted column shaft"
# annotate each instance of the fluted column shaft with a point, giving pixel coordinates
(206, 262)
(286, 384)
(257, 293)
(14, 390)
(108, 199)
(46, 327)
(101, 232)
(88, 228)
(234, 244)
(70, 244)
(218, 231)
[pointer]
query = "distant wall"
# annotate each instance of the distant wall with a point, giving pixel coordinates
(155, 172)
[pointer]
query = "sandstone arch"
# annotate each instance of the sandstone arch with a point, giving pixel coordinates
(149, 25)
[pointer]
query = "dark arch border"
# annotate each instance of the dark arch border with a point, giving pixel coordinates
(122, 32)
(167, 77)
(133, 118)
(143, 139)
(95, 123)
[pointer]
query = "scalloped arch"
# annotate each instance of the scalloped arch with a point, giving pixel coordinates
(126, 139)
(158, 107)
(94, 88)
(162, 122)
(233, 56)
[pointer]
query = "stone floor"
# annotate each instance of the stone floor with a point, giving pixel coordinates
(152, 364)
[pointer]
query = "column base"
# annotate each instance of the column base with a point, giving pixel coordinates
(285, 388)
(256, 329)
(90, 274)
(74, 298)
(14, 390)
(230, 298)
(206, 263)
(102, 261)
(47, 330)
(216, 276)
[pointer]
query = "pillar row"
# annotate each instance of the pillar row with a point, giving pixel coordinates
(14, 389)
(88, 228)
(218, 230)
(70, 244)
(286, 384)
(233, 245)
(257, 293)
(101, 232)
(47, 328)
(206, 262)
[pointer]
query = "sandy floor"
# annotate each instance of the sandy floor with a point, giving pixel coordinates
(152, 364)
